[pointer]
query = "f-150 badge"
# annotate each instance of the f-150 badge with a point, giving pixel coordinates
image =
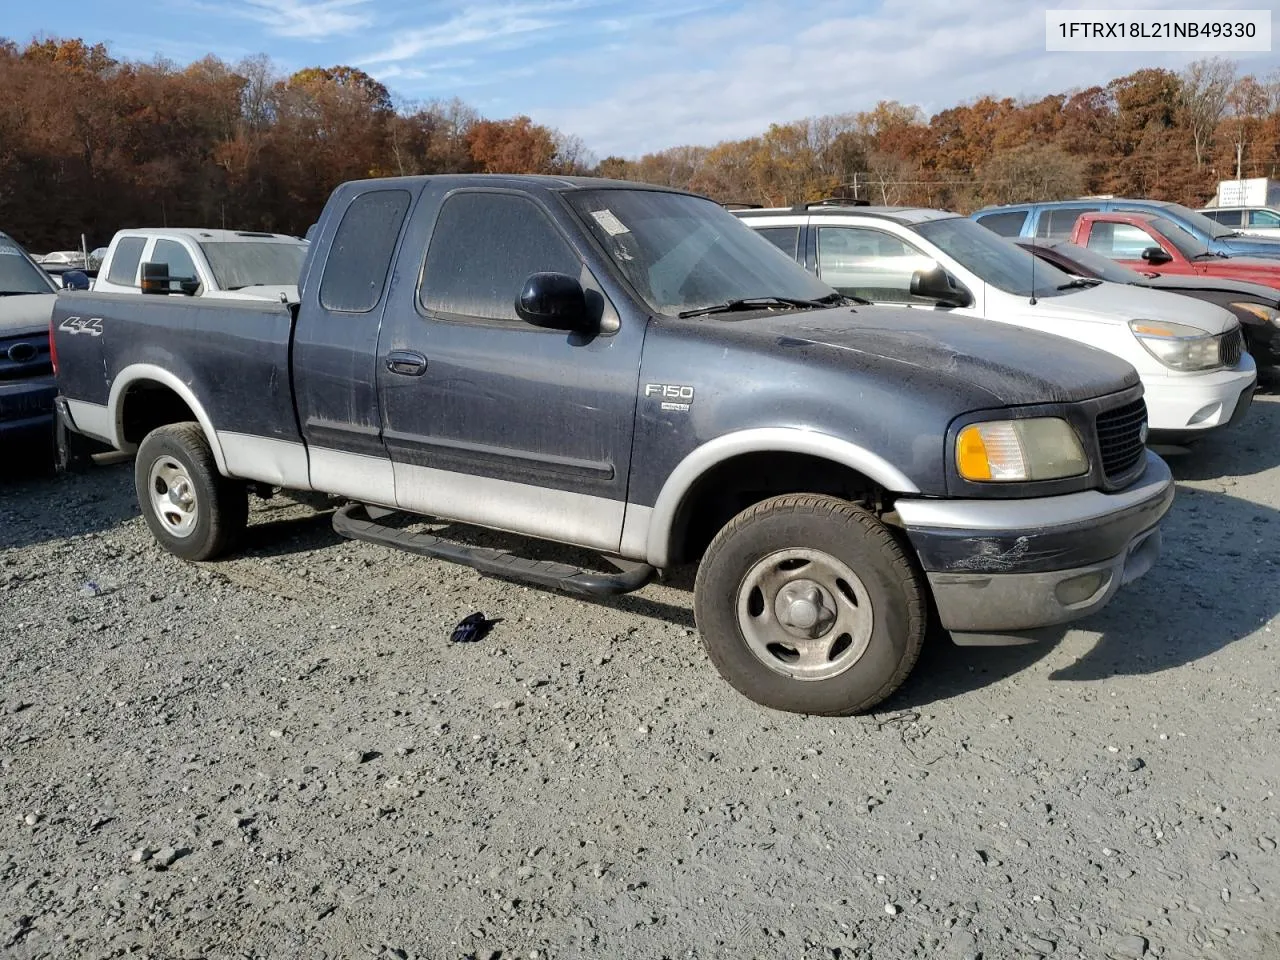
(674, 396)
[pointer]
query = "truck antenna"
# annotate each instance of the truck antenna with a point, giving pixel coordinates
(1034, 258)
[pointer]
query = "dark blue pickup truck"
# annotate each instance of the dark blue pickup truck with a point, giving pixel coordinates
(633, 371)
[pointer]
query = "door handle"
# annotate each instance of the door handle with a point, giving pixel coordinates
(407, 363)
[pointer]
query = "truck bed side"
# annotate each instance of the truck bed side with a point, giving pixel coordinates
(125, 361)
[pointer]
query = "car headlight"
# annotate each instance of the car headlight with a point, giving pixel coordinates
(1261, 311)
(1176, 345)
(1038, 448)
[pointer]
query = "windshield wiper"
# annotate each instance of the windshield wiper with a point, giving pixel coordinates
(755, 303)
(1078, 283)
(1209, 255)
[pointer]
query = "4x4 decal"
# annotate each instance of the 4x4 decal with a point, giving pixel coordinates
(92, 326)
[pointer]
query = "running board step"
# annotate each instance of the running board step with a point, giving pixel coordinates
(354, 521)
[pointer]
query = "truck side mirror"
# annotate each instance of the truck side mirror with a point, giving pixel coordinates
(555, 301)
(75, 280)
(939, 286)
(1155, 255)
(155, 278)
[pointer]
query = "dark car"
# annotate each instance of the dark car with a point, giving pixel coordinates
(1256, 306)
(27, 388)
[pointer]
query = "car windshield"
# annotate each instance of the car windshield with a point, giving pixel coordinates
(685, 253)
(1093, 264)
(1181, 238)
(238, 264)
(993, 259)
(1196, 220)
(18, 275)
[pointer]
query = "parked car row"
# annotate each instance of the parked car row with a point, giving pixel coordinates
(1196, 375)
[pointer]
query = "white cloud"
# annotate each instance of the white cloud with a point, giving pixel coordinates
(480, 24)
(730, 75)
(306, 19)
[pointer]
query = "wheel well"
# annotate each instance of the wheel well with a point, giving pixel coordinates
(730, 487)
(147, 405)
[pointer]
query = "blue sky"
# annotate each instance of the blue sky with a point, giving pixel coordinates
(628, 76)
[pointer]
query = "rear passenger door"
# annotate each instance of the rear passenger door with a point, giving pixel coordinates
(335, 353)
(487, 418)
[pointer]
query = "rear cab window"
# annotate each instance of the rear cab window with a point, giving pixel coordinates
(124, 262)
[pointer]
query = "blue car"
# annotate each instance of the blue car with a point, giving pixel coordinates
(1054, 221)
(27, 386)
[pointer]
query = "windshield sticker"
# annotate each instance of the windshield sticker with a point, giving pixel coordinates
(7, 251)
(612, 225)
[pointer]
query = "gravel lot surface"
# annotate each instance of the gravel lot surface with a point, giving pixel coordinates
(282, 755)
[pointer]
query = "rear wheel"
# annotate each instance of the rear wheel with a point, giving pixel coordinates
(806, 603)
(192, 510)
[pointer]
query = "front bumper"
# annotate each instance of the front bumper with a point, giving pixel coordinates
(1188, 407)
(999, 568)
(26, 409)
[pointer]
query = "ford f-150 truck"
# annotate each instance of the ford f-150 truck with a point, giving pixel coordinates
(630, 370)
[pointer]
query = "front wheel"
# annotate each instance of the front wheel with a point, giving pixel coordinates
(807, 603)
(193, 511)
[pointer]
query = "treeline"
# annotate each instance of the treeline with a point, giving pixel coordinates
(90, 143)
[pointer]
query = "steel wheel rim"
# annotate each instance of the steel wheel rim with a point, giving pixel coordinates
(804, 614)
(173, 497)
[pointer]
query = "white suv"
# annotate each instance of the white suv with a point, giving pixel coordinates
(1195, 373)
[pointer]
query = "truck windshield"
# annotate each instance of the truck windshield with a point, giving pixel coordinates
(18, 275)
(1188, 245)
(993, 259)
(240, 264)
(1196, 221)
(684, 253)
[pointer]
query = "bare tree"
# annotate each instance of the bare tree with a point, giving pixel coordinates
(1206, 85)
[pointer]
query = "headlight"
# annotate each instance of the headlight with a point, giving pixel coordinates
(1040, 448)
(1264, 313)
(1176, 345)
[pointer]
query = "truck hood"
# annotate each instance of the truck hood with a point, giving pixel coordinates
(26, 313)
(1014, 366)
(1122, 302)
(1248, 246)
(1176, 282)
(1253, 268)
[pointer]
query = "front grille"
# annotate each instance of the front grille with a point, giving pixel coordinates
(25, 356)
(1230, 346)
(1120, 438)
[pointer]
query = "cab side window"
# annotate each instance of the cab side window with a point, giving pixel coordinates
(1056, 223)
(1264, 218)
(124, 262)
(1006, 224)
(483, 248)
(871, 264)
(784, 238)
(1120, 241)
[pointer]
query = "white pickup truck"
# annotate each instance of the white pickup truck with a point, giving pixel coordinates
(218, 264)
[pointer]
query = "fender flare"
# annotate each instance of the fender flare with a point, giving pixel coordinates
(147, 371)
(658, 546)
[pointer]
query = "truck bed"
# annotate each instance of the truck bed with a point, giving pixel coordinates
(233, 354)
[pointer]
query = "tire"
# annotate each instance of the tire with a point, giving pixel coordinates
(854, 606)
(193, 511)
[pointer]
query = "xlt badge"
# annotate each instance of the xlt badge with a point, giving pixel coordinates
(674, 396)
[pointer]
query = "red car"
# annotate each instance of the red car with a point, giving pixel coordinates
(1154, 244)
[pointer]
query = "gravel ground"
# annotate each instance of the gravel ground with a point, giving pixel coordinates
(282, 755)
